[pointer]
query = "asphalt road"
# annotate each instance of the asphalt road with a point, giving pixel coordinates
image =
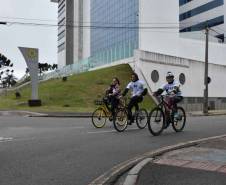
(70, 151)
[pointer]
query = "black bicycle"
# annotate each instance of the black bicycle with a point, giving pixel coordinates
(163, 115)
(120, 120)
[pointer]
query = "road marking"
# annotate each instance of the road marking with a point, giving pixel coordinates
(4, 139)
(109, 131)
(77, 127)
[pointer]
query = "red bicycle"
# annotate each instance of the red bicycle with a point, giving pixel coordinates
(163, 115)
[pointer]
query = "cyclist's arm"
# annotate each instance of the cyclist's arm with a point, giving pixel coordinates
(125, 92)
(128, 87)
(158, 92)
(145, 91)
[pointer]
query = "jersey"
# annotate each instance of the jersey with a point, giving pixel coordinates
(136, 87)
(169, 88)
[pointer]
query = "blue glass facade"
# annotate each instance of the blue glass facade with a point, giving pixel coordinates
(114, 29)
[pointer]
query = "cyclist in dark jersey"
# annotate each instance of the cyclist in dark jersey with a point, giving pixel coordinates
(113, 93)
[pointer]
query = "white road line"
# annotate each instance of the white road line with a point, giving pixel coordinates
(4, 139)
(77, 127)
(109, 131)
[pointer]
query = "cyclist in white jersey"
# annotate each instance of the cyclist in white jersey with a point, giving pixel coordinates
(172, 89)
(138, 90)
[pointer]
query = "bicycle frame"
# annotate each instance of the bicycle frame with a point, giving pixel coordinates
(164, 104)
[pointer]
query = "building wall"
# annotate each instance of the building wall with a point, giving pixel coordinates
(159, 32)
(86, 29)
(70, 32)
(61, 33)
(167, 41)
(193, 86)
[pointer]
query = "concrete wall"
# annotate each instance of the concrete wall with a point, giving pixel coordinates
(193, 87)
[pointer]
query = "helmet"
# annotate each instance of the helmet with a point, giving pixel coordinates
(169, 74)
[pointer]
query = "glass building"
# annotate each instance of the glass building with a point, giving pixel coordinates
(196, 16)
(114, 29)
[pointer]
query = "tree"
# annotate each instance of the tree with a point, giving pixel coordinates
(7, 77)
(43, 67)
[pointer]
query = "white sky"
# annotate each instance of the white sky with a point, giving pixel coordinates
(14, 35)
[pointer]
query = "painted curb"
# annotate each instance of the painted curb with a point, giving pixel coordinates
(133, 174)
(111, 176)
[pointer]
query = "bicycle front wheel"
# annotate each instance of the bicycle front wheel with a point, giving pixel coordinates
(156, 121)
(179, 122)
(99, 118)
(120, 120)
(142, 118)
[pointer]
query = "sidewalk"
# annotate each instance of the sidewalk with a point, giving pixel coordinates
(210, 113)
(201, 164)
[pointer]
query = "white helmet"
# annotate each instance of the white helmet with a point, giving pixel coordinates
(169, 74)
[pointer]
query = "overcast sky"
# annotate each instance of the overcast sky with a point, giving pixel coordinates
(13, 35)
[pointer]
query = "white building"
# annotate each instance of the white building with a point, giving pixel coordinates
(72, 32)
(195, 15)
(119, 27)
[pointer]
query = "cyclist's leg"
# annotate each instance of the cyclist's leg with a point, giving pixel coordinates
(114, 104)
(175, 101)
(133, 102)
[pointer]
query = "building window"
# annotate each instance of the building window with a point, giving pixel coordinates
(155, 76)
(114, 27)
(206, 7)
(182, 2)
(61, 47)
(209, 23)
(182, 78)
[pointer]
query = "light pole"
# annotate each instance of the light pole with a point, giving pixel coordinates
(205, 102)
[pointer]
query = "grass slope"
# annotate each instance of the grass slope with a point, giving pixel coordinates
(76, 94)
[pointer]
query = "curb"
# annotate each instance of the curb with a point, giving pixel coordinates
(21, 113)
(111, 176)
(209, 114)
(133, 174)
(64, 115)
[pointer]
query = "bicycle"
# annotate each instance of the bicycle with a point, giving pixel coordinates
(102, 113)
(162, 115)
(120, 120)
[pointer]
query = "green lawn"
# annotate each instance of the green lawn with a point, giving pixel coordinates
(77, 94)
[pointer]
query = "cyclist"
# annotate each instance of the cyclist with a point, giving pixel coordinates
(112, 94)
(173, 91)
(139, 90)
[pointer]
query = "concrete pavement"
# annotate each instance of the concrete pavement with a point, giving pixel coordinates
(204, 163)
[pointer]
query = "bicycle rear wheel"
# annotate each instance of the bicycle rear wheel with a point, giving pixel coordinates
(120, 120)
(99, 118)
(156, 121)
(142, 118)
(179, 123)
